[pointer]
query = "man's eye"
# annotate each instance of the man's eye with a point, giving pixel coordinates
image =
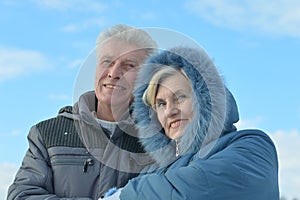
(105, 63)
(130, 66)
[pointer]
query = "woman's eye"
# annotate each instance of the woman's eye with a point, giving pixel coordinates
(181, 97)
(159, 105)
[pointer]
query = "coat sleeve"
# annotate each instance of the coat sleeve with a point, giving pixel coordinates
(243, 168)
(34, 179)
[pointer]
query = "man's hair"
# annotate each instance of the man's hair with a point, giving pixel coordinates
(128, 34)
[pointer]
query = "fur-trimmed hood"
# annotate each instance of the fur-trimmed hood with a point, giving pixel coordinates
(215, 110)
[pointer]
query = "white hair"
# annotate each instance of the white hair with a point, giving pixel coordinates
(128, 34)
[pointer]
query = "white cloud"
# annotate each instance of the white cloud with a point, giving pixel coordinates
(149, 16)
(82, 6)
(70, 28)
(288, 148)
(7, 173)
(93, 22)
(249, 123)
(8, 3)
(59, 97)
(72, 5)
(277, 17)
(16, 132)
(76, 63)
(16, 62)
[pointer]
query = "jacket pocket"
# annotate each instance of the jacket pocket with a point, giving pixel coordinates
(58, 160)
(74, 173)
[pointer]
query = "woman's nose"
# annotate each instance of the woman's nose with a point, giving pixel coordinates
(172, 109)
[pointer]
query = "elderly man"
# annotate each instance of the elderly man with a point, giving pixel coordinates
(90, 147)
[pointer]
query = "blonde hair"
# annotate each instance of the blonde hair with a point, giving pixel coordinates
(158, 77)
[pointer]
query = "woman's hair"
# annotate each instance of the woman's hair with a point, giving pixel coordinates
(128, 34)
(157, 78)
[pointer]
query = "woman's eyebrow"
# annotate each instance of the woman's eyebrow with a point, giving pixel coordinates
(158, 99)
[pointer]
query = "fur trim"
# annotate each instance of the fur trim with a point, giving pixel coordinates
(213, 104)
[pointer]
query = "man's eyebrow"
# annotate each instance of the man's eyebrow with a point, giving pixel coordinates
(106, 57)
(131, 59)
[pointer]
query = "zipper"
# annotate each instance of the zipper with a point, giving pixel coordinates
(176, 154)
(66, 161)
(176, 148)
(87, 162)
(71, 161)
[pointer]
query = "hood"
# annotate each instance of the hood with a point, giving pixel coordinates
(215, 110)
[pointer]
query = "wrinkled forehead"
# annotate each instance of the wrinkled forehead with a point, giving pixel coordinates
(114, 49)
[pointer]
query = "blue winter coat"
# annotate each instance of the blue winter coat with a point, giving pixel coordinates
(216, 161)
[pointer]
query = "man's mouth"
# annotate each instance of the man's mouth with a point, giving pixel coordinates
(115, 87)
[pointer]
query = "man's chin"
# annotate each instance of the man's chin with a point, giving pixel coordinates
(119, 101)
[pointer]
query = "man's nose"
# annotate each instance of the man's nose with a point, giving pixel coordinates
(115, 70)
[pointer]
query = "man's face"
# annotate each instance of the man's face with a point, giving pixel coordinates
(118, 63)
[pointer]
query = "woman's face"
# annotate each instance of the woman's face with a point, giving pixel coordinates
(173, 104)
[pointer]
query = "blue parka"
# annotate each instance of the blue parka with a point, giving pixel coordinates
(216, 161)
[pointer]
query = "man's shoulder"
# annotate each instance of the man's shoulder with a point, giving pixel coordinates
(60, 130)
(59, 118)
(66, 109)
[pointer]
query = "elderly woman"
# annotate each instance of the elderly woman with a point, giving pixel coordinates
(185, 116)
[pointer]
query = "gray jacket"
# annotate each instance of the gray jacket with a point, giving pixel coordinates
(72, 157)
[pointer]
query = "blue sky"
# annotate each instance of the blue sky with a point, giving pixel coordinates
(255, 45)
